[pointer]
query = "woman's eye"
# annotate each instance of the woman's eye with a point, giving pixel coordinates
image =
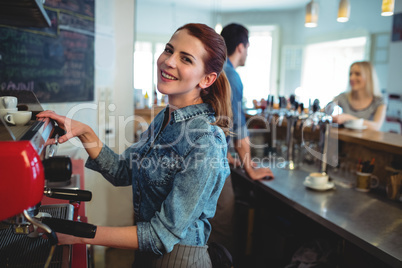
(187, 59)
(168, 50)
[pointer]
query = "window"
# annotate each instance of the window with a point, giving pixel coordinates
(142, 78)
(326, 68)
(159, 47)
(145, 58)
(258, 74)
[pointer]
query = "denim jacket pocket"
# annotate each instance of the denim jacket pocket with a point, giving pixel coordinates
(161, 165)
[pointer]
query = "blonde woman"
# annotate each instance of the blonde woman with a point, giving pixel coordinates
(364, 99)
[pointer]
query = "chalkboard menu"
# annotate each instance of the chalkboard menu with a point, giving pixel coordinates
(56, 63)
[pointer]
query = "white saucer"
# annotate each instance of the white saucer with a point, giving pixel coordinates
(355, 128)
(324, 187)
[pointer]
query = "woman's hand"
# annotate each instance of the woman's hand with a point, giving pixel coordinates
(342, 118)
(74, 128)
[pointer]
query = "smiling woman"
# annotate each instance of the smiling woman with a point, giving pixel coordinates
(364, 101)
(178, 167)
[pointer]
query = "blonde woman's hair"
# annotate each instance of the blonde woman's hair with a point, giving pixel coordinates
(368, 72)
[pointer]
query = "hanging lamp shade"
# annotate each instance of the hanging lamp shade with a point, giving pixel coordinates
(343, 11)
(311, 15)
(387, 7)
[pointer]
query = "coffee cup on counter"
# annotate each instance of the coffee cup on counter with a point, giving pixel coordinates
(18, 118)
(317, 179)
(8, 102)
(394, 186)
(366, 181)
(357, 123)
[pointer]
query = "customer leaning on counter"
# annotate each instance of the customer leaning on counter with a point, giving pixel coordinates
(178, 168)
(364, 99)
(223, 224)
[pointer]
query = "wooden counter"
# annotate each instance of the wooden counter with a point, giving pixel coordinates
(382, 141)
(143, 118)
(148, 113)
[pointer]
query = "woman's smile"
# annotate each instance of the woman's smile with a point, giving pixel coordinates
(167, 76)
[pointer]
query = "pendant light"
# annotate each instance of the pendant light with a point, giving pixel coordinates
(218, 28)
(343, 11)
(311, 15)
(217, 16)
(387, 7)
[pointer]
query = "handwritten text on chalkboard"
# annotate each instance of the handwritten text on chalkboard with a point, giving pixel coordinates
(56, 64)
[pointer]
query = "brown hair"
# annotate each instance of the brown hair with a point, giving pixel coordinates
(218, 94)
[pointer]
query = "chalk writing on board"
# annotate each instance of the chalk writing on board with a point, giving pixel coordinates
(56, 63)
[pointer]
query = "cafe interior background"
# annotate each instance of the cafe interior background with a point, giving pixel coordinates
(285, 57)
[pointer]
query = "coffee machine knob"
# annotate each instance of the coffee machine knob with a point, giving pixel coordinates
(57, 168)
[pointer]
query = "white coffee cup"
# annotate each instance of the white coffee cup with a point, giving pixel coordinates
(8, 102)
(3, 112)
(358, 123)
(317, 179)
(18, 118)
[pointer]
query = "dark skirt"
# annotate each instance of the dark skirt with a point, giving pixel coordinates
(182, 256)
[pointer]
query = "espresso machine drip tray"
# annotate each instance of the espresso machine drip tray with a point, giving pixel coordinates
(19, 250)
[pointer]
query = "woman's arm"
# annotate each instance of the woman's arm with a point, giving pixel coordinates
(374, 124)
(73, 128)
(378, 119)
(116, 237)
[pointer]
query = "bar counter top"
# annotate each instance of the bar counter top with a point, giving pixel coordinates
(383, 141)
(367, 220)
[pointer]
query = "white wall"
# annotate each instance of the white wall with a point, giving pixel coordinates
(164, 19)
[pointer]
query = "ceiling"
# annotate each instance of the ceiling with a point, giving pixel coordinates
(233, 5)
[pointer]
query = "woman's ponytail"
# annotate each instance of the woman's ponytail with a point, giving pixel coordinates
(218, 95)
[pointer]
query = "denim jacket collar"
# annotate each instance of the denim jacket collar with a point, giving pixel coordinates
(191, 111)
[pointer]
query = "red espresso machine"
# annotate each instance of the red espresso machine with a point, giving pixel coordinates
(27, 165)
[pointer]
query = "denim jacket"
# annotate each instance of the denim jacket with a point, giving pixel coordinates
(176, 174)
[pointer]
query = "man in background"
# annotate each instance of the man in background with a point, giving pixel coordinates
(223, 231)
